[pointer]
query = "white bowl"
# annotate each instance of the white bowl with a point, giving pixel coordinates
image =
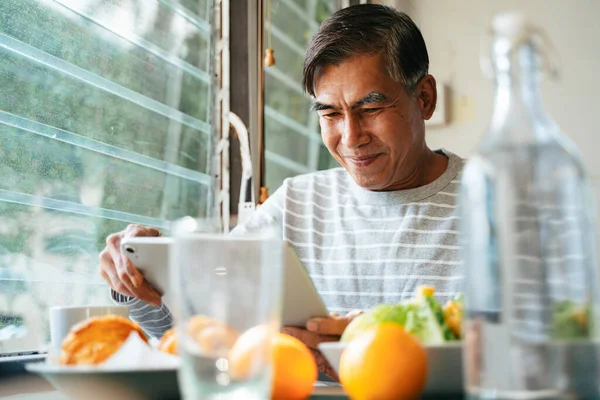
(444, 362)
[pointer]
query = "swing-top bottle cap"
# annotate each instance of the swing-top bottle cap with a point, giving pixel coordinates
(517, 28)
(512, 25)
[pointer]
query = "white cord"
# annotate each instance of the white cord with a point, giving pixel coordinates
(242, 132)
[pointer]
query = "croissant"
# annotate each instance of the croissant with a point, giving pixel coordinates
(96, 339)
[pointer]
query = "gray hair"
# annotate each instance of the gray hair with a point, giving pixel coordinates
(369, 29)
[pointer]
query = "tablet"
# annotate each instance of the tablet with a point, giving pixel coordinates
(301, 301)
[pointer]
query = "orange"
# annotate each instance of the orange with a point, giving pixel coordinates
(294, 369)
(385, 362)
(250, 352)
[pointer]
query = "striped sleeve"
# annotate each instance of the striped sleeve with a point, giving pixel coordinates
(155, 321)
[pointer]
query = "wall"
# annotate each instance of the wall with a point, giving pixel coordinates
(452, 31)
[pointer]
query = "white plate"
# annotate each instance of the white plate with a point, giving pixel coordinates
(444, 363)
(91, 383)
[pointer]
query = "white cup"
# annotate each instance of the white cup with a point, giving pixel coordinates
(63, 318)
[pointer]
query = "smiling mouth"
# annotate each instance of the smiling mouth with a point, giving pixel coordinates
(363, 161)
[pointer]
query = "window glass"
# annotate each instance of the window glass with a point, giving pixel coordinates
(292, 139)
(104, 121)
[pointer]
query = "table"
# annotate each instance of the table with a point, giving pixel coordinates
(26, 386)
(33, 387)
(54, 395)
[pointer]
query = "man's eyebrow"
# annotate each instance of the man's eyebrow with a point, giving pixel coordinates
(371, 98)
(321, 106)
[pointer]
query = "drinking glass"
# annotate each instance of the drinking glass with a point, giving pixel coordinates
(227, 294)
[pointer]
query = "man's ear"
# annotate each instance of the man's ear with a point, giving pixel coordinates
(427, 96)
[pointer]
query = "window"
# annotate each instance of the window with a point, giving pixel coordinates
(292, 141)
(104, 110)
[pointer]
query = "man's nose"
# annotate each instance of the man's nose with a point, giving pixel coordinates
(354, 135)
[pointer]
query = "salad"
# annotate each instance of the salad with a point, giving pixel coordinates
(570, 320)
(422, 316)
(432, 324)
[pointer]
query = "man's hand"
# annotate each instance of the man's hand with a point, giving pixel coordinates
(321, 330)
(118, 270)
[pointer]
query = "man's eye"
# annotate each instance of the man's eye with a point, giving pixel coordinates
(371, 110)
(331, 114)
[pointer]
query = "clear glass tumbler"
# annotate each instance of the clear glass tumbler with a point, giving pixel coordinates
(227, 310)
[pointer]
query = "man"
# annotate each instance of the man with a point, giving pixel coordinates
(372, 231)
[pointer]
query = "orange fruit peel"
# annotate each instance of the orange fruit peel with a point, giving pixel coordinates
(388, 356)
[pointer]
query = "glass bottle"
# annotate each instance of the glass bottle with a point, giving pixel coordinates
(528, 241)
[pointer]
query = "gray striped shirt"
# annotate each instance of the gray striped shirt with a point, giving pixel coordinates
(360, 247)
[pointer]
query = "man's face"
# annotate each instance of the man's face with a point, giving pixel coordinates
(369, 123)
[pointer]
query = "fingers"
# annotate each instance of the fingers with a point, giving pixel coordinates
(310, 339)
(118, 270)
(323, 365)
(334, 325)
(123, 264)
(134, 230)
(131, 271)
(328, 326)
(143, 290)
(128, 270)
(353, 314)
(108, 272)
(113, 244)
(146, 293)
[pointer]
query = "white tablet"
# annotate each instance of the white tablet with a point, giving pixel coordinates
(301, 301)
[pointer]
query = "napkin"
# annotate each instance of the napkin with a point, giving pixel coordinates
(138, 355)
